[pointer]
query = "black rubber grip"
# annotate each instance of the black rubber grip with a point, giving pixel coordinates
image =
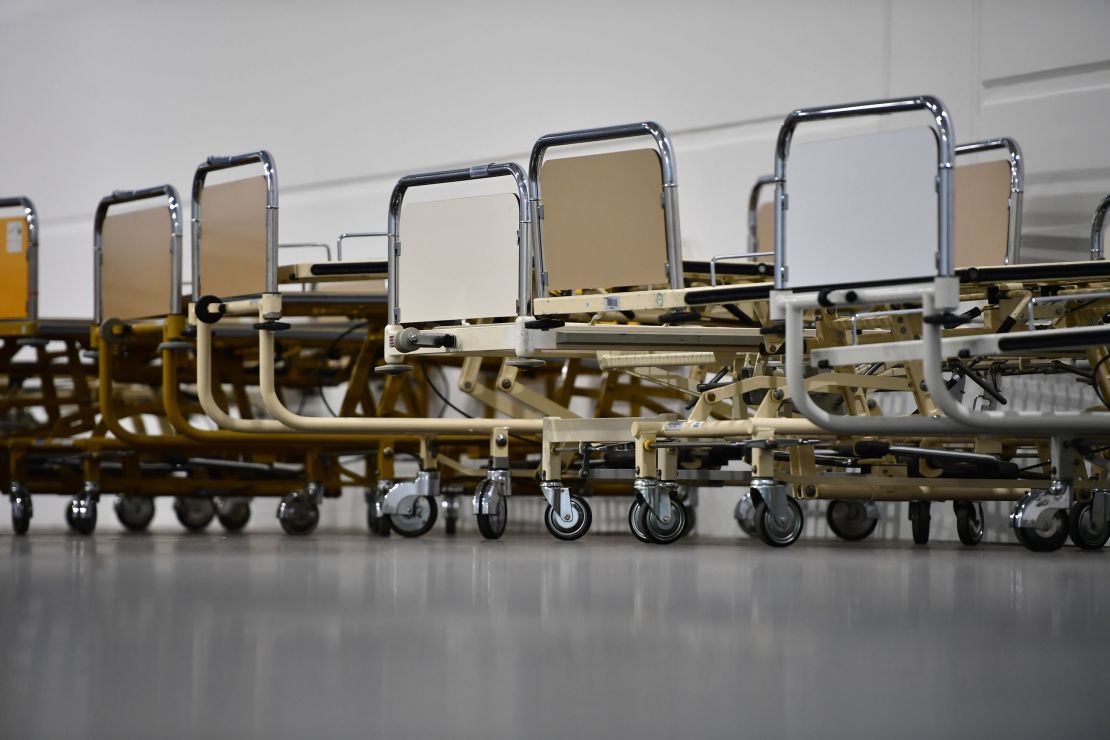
(204, 312)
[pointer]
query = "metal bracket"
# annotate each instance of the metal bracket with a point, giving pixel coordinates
(1038, 507)
(774, 495)
(401, 496)
(486, 503)
(656, 495)
(558, 498)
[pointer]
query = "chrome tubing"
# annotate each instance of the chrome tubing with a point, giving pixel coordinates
(942, 126)
(1017, 188)
(608, 133)
(118, 197)
(32, 217)
(1096, 229)
(480, 172)
(269, 171)
(354, 235)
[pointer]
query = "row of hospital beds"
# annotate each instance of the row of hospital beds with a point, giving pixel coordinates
(883, 272)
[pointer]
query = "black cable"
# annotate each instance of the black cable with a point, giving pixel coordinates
(323, 361)
(1094, 377)
(443, 398)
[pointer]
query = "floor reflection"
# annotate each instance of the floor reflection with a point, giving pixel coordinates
(349, 636)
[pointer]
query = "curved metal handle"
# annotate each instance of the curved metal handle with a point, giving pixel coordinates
(609, 133)
(477, 172)
(269, 171)
(1096, 229)
(119, 197)
(942, 126)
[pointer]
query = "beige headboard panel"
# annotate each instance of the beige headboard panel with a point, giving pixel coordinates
(982, 213)
(765, 231)
(233, 238)
(459, 259)
(136, 276)
(603, 220)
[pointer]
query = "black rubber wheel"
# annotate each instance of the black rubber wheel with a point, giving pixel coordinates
(581, 519)
(849, 520)
(658, 532)
(777, 534)
(298, 515)
(81, 518)
(377, 525)
(425, 511)
(1048, 538)
(969, 522)
(493, 524)
(451, 525)
(691, 519)
(920, 518)
(233, 513)
(1083, 530)
(634, 521)
(135, 512)
(194, 512)
(21, 515)
(743, 513)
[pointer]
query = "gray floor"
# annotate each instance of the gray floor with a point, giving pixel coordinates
(268, 636)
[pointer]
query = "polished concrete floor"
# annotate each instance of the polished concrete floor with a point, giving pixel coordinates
(334, 636)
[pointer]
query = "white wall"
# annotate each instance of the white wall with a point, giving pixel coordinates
(348, 96)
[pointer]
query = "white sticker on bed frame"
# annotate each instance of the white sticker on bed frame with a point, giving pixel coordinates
(459, 259)
(15, 237)
(862, 209)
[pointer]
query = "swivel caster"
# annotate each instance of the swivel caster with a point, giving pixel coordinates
(375, 522)
(969, 522)
(920, 519)
(493, 524)
(658, 531)
(135, 512)
(851, 520)
(1084, 531)
(81, 515)
(1044, 515)
(194, 512)
(420, 521)
(298, 513)
(776, 532)
(21, 510)
(572, 527)
(233, 513)
(745, 515)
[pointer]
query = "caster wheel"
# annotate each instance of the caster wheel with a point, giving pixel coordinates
(850, 520)
(919, 521)
(451, 526)
(1047, 538)
(81, 516)
(493, 524)
(663, 533)
(969, 522)
(1083, 530)
(233, 513)
(376, 524)
(21, 514)
(135, 512)
(776, 533)
(423, 518)
(634, 521)
(299, 514)
(745, 515)
(194, 513)
(581, 517)
(691, 519)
